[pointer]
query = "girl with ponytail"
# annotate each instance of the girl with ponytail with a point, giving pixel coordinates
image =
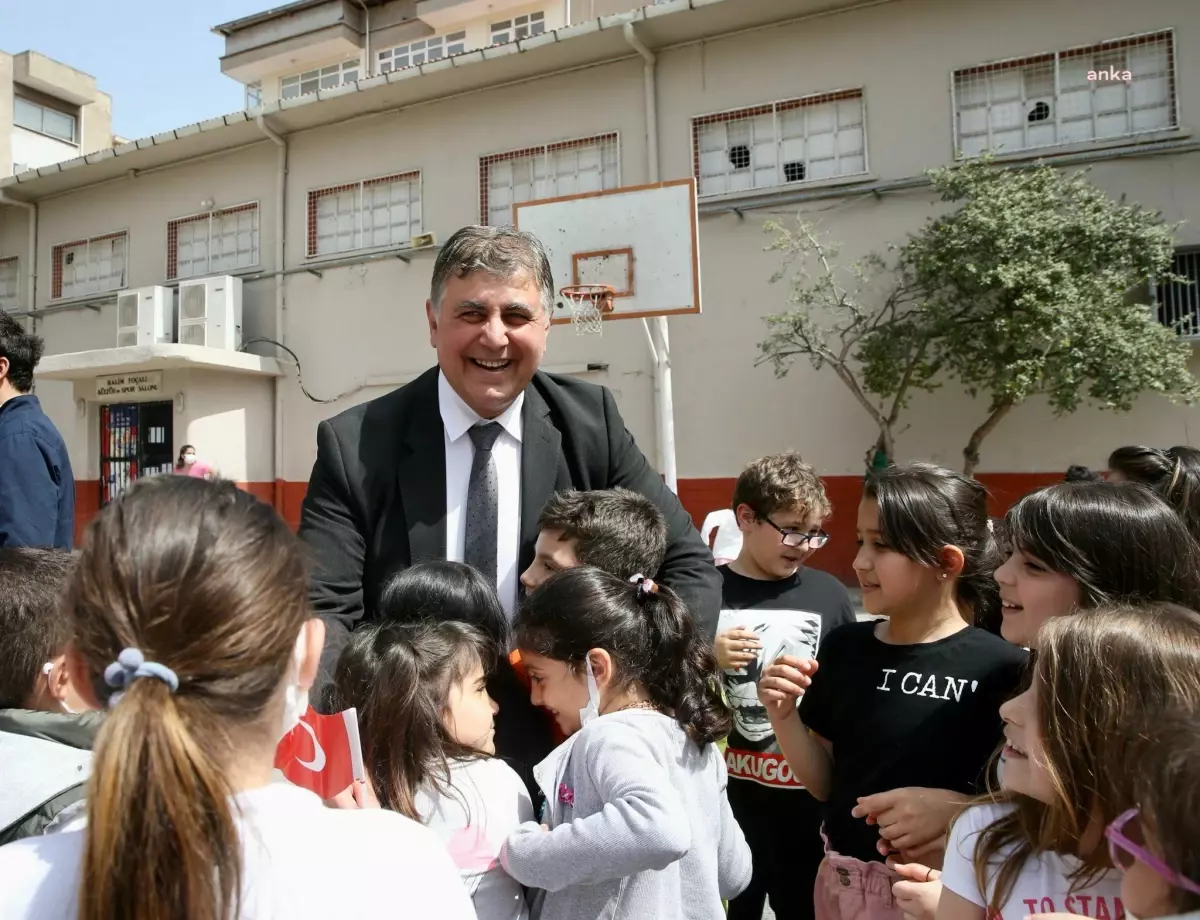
(636, 820)
(1173, 473)
(192, 629)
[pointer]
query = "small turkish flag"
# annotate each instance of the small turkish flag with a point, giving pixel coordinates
(322, 753)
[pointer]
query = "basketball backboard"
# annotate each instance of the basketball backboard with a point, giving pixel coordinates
(642, 240)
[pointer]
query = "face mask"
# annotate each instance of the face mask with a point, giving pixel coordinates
(295, 698)
(48, 669)
(592, 710)
(189, 459)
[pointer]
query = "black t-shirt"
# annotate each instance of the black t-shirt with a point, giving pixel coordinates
(790, 616)
(906, 715)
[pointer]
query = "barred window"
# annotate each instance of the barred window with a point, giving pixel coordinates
(371, 214)
(589, 164)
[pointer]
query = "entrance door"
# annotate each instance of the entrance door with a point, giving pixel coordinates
(135, 441)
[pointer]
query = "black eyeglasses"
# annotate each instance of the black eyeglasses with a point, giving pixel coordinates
(795, 538)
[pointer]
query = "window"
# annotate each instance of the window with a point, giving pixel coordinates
(372, 214)
(590, 164)
(93, 266)
(254, 96)
(1178, 304)
(10, 284)
(1115, 89)
(38, 118)
(798, 140)
(418, 52)
(511, 30)
(215, 243)
(310, 81)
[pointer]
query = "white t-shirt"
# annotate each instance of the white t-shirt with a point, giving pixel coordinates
(729, 538)
(1043, 885)
(302, 861)
(486, 802)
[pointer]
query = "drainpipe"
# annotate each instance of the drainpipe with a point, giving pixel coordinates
(656, 328)
(370, 68)
(31, 209)
(280, 302)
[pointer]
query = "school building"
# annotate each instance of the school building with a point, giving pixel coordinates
(158, 270)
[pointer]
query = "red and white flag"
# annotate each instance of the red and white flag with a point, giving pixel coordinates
(322, 753)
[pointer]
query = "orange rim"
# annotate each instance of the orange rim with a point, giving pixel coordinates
(601, 294)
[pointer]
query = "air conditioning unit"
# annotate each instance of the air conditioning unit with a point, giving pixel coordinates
(145, 316)
(210, 312)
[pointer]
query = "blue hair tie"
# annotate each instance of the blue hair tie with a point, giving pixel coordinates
(129, 666)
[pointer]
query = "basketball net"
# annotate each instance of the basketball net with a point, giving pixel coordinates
(589, 303)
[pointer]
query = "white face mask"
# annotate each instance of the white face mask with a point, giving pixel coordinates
(48, 669)
(592, 710)
(189, 459)
(295, 697)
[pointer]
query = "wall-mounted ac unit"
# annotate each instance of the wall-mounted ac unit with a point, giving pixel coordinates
(145, 316)
(210, 312)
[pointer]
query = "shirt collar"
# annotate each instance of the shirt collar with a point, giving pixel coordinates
(457, 416)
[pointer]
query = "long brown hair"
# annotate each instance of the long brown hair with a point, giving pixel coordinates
(1098, 674)
(1167, 794)
(399, 677)
(208, 581)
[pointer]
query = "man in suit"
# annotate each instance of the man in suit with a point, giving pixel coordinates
(458, 463)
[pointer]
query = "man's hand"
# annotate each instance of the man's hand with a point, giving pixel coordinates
(783, 682)
(736, 648)
(918, 891)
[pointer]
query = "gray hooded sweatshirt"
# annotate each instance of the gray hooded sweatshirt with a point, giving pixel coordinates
(640, 826)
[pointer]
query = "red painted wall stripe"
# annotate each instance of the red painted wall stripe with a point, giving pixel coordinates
(699, 497)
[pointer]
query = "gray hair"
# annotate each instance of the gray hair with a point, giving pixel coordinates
(500, 251)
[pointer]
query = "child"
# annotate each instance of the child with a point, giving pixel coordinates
(616, 530)
(456, 591)
(637, 824)
(772, 604)
(45, 736)
(900, 716)
(1037, 846)
(1073, 547)
(1174, 474)
(190, 623)
(1076, 545)
(1156, 842)
(426, 723)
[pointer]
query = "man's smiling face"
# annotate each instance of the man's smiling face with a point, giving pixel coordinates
(490, 336)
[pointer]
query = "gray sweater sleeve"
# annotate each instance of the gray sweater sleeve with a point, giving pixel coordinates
(642, 825)
(734, 866)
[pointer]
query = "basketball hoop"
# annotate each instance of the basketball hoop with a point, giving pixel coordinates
(589, 303)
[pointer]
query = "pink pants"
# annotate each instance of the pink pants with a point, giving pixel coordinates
(848, 889)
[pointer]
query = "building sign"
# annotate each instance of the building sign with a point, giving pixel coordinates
(129, 386)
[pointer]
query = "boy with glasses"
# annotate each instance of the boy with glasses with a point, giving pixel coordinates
(773, 605)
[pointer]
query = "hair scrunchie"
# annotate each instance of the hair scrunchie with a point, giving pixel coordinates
(645, 586)
(129, 666)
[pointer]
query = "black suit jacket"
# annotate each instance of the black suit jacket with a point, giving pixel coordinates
(376, 500)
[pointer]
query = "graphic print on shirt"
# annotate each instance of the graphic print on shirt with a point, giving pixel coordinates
(917, 683)
(752, 753)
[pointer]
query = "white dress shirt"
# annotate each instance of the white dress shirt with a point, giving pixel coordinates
(457, 417)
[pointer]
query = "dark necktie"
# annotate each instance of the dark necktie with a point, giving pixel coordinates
(483, 492)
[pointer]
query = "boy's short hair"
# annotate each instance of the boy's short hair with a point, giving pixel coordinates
(622, 532)
(23, 350)
(781, 482)
(33, 626)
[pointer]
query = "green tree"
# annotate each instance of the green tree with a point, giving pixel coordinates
(1025, 291)
(838, 317)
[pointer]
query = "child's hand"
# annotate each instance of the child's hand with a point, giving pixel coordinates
(918, 891)
(911, 819)
(783, 682)
(736, 648)
(356, 795)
